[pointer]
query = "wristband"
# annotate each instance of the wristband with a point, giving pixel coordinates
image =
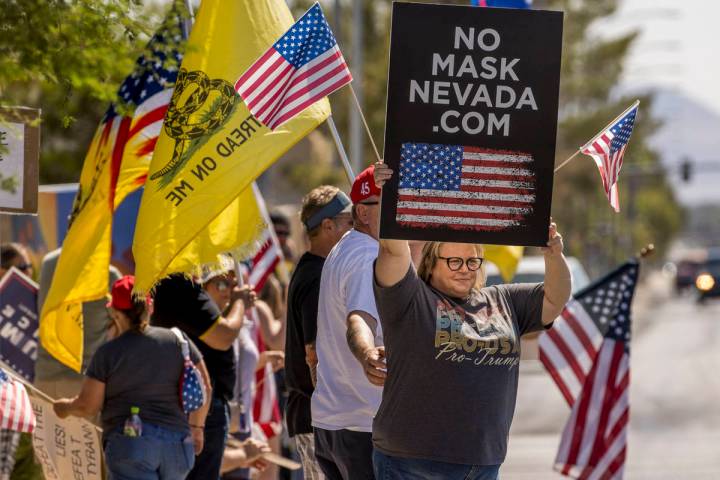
(197, 426)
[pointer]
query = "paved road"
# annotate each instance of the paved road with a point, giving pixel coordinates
(675, 398)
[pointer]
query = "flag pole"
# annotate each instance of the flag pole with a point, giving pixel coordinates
(367, 129)
(36, 390)
(646, 251)
(635, 104)
(567, 161)
(341, 149)
(188, 22)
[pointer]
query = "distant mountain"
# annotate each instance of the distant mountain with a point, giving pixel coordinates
(689, 130)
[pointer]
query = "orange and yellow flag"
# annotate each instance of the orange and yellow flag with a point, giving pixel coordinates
(116, 164)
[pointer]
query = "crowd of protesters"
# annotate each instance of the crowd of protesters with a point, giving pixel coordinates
(392, 359)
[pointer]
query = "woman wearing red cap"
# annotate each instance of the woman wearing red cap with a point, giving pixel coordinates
(140, 368)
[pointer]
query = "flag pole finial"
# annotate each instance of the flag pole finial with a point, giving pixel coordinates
(646, 251)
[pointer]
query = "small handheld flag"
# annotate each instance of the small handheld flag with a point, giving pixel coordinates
(269, 255)
(16, 412)
(302, 67)
(607, 148)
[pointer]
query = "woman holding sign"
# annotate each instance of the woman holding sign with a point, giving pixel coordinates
(453, 352)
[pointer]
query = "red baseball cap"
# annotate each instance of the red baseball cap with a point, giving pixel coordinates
(364, 186)
(122, 293)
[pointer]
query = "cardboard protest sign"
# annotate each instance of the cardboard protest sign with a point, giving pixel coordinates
(68, 448)
(18, 323)
(471, 124)
(19, 159)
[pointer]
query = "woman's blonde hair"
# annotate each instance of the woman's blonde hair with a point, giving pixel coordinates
(430, 255)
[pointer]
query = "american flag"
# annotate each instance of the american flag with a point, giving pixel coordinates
(263, 263)
(587, 353)
(466, 188)
(131, 125)
(266, 410)
(302, 67)
(16, 412)
(608, 148)
(502, 3)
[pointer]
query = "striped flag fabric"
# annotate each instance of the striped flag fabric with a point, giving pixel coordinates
(266, 409)
(587, 353)
(265, 260)
(608, 148)
(269, 255)
(466, 188)
(16, 411)
(302, 67)
(115, 166)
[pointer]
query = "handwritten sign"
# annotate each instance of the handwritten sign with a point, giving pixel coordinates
(68, 449)
(19, 157)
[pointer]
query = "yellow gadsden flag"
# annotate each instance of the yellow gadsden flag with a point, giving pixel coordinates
(197, 200)
(505, 257)
(116, 164)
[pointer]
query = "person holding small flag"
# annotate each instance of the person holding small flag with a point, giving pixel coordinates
(453, 353)
(139, 373)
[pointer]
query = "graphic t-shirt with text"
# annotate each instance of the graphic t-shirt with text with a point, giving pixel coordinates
(452, 369)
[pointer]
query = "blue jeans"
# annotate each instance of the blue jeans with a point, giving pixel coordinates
(159, 454)
(397, 468)
(207, 464)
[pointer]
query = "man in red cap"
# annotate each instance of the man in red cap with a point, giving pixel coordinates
(351, 367)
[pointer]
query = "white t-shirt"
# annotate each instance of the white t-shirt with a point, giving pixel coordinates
(344, 398)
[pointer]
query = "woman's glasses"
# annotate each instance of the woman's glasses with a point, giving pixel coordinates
(456, 263)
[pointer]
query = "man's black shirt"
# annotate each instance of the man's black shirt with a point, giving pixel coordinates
(178, 302)
(303, 294)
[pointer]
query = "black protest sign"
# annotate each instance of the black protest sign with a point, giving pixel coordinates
(18, 323)
(471, 124)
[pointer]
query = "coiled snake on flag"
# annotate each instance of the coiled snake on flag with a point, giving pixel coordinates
(183, 122)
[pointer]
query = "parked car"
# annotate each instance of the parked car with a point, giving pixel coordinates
(687, 271)
(707, 281)
(532, 270)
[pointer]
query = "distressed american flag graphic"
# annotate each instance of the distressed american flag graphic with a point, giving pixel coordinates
(467, 188)
(302, 67)
(587, 353)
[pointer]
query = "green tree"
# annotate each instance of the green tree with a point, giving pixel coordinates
(68, 57)
(591, 69)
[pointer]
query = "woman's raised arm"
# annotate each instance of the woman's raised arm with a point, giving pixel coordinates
(394, 257)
